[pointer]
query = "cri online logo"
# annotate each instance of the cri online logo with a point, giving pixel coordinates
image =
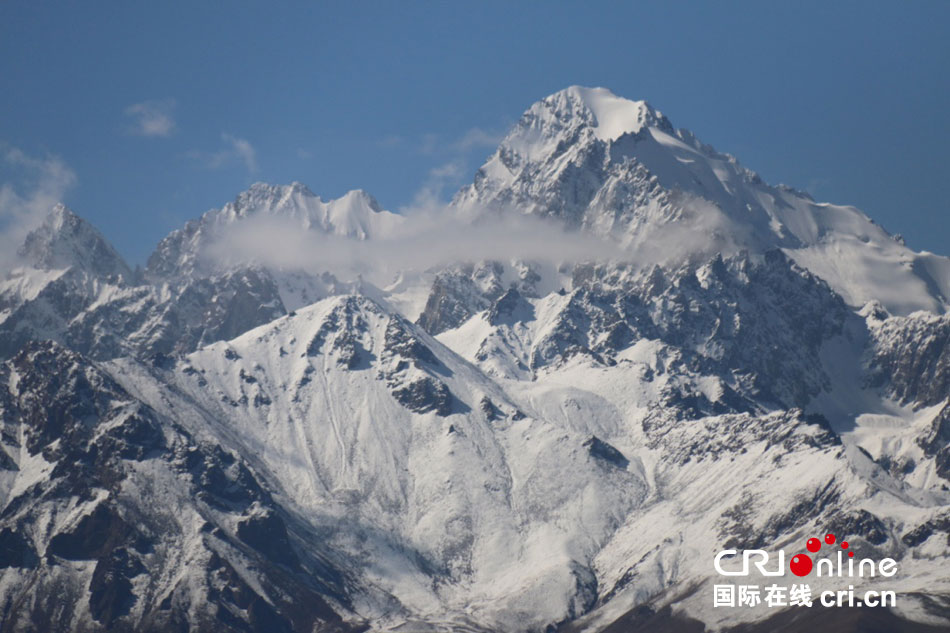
(801, 564)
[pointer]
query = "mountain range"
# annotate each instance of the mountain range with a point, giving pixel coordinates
(247, 435)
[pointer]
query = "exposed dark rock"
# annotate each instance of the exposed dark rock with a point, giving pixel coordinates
(16, 550)
(646, 619)
(94, 536)
(491, 411)
(403, 350)
(726, 435)
(222, 480)
(510, 308)
(399, 341)
(6, 462)
(938, 438)
(145, 321)
(911, 358)
(136, 438)
(110, 591)
(602, 450)
(858, 523)
(425, 394)
(343, 328)
(461, 291)
(453, 299)
(942, 461)
(267, 533)
(924, 531)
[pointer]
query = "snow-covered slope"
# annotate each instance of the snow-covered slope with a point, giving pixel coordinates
(418, 462)
(704, 369)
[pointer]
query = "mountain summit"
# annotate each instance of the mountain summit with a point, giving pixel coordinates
(618, 168)
(613, 116)
(65, 240)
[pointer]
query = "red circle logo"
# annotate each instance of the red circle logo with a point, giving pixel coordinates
(800, 565)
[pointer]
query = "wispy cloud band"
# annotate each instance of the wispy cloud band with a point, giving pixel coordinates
(151, 118)
(235, 150)
(35, 186)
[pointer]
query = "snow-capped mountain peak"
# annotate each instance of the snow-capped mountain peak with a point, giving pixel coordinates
(350, 215)
(613, 116)
(618, 169)
(65, 240)
(262, 195)
(355, 215)
(575, 115)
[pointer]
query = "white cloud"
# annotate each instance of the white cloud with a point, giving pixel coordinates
(36, 185)
(447, 171)
(243, 150)
(391, 140)
(702, 231)
(152, 118)
(426, 238)
(430, 195)
(451, 173)
(236, 150)
(475, 138)
(434, 235)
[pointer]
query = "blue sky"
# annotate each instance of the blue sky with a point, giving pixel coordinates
(148, 114)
